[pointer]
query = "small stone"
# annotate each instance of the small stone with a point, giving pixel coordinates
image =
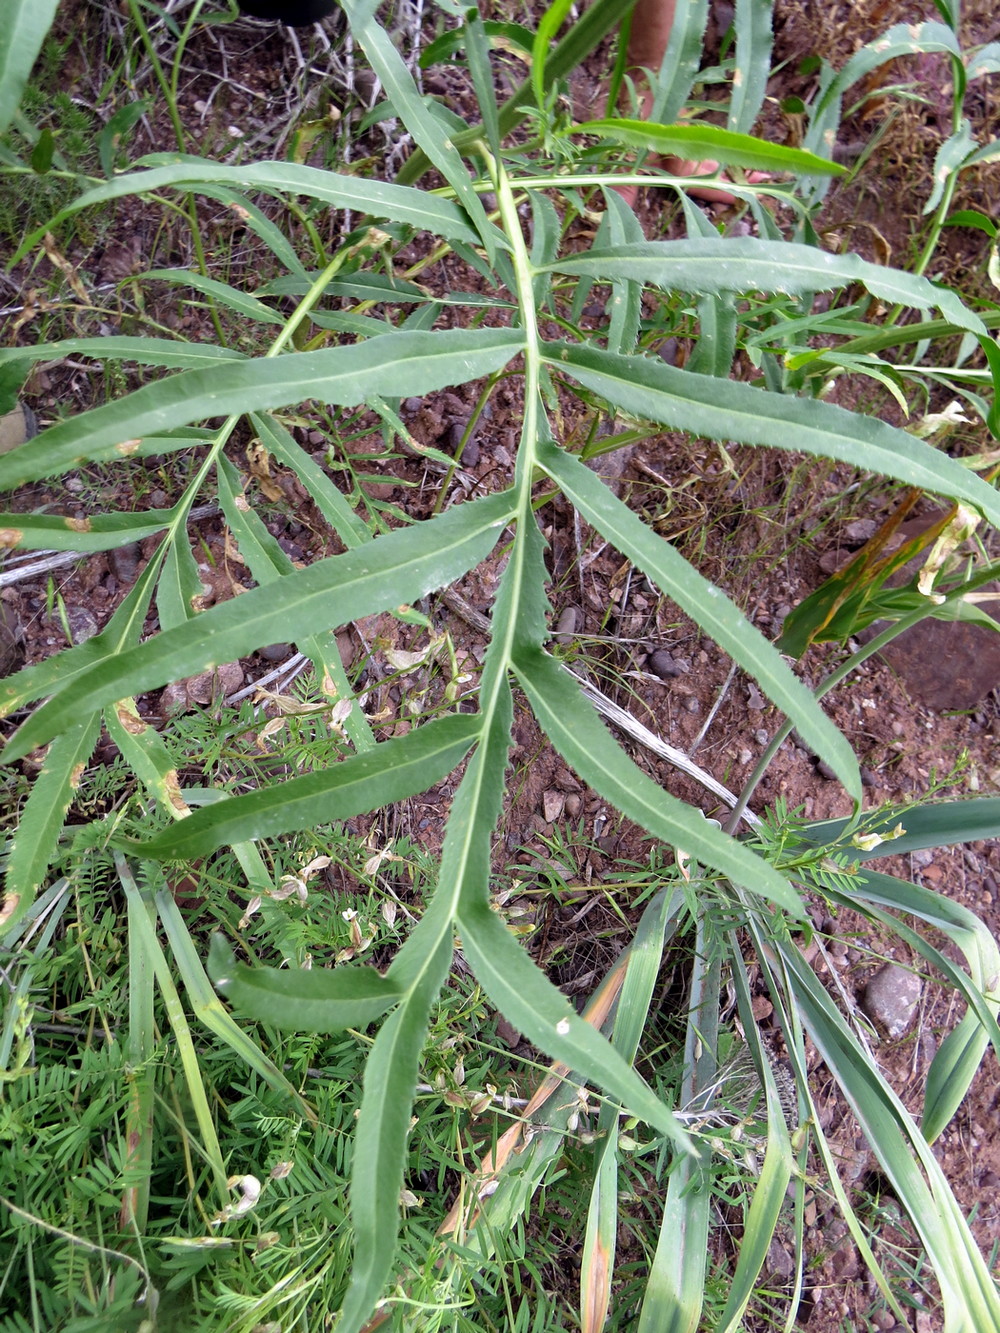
(174, 699)
(568, 624)
(11, 635)
(471, 453)
(16, 427)
(891, 998)
(663, 664)
(346, 647)
(124, 562)
(553, 804)
(779, 1262)
(203, 688)
(844, 1263)
(276, 652)
(82, 624)
(508, 1033)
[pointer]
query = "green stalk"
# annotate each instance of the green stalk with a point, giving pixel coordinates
(140, 916)
(141, 1044)
(169, 90)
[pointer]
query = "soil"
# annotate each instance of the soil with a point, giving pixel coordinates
(764, 527)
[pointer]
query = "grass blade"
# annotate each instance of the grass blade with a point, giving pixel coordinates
(578, 734)
(701, 142)
(752, 20)
(299, 999)
(207, 1006)
(746, 264)
(41, 819)
(645, 957)
(396, 569)
(140, 921)
(25, 24)
(675, 1291)
(657, 392)
(391, 771)
(379, 199)
(709, 606)
(380, 1142)
(524, 995)
(960, 1054)
(392, 364)
(142, 1087)
(968, 1290)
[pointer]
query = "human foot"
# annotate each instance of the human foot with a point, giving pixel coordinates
(676, 166)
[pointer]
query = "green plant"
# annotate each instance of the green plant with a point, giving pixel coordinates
(720, 889)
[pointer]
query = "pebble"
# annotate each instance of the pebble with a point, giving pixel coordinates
(891, 998)
(276, 652)
(11, 635)
(82, 624)
(779, 1262)
(663, 664)
(203, 688)
(568, 624)
(124, 562)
